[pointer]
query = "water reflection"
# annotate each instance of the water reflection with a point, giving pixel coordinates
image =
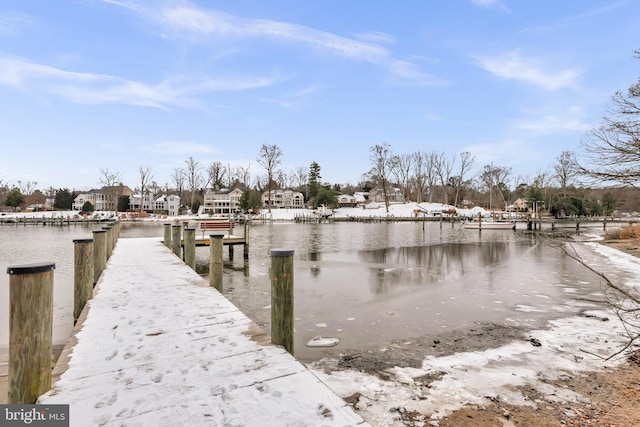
(365, 283)
(433, 263)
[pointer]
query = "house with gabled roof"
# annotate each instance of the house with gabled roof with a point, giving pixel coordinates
(221, 202)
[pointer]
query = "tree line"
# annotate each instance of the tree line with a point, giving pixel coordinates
(593, 182)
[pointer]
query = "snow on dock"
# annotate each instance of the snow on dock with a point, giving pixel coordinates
(158, 346)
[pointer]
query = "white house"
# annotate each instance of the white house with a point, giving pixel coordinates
(394, 195)
(169, 204)
(347, 201)
(283, 199)
(103, 199)
(223, 201)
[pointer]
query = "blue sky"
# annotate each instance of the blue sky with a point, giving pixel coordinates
(117, 84)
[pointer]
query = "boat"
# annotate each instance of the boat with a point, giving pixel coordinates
(491, 224)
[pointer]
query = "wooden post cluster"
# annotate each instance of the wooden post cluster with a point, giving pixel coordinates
(83, 275)
(282, 298)
(215, 261)
(190, 247)
(176, 240)
(30, 331)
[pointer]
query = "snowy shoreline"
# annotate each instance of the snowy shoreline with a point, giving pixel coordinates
(566, 347)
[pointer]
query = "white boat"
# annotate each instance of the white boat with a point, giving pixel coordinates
(490, 225)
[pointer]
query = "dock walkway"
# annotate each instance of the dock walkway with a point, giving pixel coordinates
(157, 346)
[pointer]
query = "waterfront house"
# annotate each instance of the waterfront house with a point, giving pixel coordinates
(103, 199)
(283, 199)
(394, 195)
(221, 202)
(347, 201)
(151, 203)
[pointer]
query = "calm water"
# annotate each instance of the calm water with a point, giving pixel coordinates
(362, 283)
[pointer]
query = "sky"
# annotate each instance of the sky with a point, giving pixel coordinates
(91, 85)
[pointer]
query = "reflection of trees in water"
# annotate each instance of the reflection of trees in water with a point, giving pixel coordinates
(426, 264)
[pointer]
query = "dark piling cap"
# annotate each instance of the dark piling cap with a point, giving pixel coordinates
(40, 267)
(216, 235)
(99, 231)
(282, 252)
(82, 240)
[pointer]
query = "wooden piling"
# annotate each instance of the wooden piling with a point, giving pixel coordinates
(108, 240)
(30, 331)
(176, 240)
(190, 247)
(246, 240)
(167, 235)
(215, 261)
(83, 275)
(99, 253)
(282, 298)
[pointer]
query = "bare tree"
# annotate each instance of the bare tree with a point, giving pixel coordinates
(178, 176)
(495, 177)
(230, 176)
(466, 162)
(382, 163)
(216, 176)
(27, 187)
(145, 175)
(283, 179)
(401, 169)
(611, 152)
(269, 158)
(244, 176)
(624, 302)
(443, 165)
(565, 168)
(109, 181)
(431, 175)
(420, 166)
(194, 179)
(300, 177)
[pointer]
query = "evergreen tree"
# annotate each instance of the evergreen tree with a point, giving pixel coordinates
(64, 199)
(88, 207)
(314, 181)
(14, 198)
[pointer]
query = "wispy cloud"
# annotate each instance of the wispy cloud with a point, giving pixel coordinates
(568, 121)
(191, 20)
(89, 88)
(409, 72)
(376, 37)
(292, 101)
(513, 66)
(200, 25)
(12, 23)
(579, 18)
(494, 4)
